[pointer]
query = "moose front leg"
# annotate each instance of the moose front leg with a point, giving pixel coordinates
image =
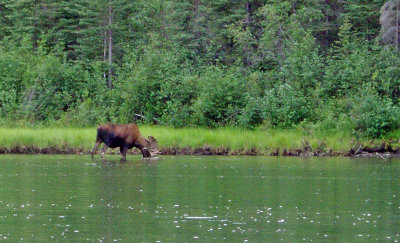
(95, 148)
(103, 150)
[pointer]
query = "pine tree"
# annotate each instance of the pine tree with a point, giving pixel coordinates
(32, 19)
(364, 17)
(4, 21)
(100, 33)
(65, 31)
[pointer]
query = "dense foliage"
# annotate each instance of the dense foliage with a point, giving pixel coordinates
(248, 63)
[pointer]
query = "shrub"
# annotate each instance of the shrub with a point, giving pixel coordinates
(385, 77)
(374, 116)
(285, 106)
(177, 114)
(150, 81)
(13, 65)
(252, 114)
(333, 116)
(221, 98)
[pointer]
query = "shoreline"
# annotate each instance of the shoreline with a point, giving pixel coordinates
(205, 142)
(363, 152)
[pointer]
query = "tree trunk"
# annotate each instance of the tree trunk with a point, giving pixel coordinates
(35, 34)
(248, 13)
(397, 24)
(105, 52)
(247, 48)
(196, 6)
(110, 44)
(195, 18)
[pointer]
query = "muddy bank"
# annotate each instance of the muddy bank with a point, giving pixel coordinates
(383, 152)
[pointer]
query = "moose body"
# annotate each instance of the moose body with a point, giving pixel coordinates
(125, 137)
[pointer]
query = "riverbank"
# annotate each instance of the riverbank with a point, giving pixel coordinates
(201, 141)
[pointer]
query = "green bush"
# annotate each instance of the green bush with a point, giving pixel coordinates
(252, 114)
(285, 106)
(13, 66)
(374, 116)
(149, 82)
(221, 98)
(53, 87)
(350, 64)
(177, 114)
(40, 87)
(385, 77)
(333, 115)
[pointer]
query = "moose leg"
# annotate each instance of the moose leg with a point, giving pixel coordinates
(124, 150)
(95, 148)
(103, 150)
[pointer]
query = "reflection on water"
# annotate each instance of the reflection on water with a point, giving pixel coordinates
(255, 199)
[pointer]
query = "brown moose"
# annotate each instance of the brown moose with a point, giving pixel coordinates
(125, 136)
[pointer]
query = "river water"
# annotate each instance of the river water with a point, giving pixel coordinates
(190, 199)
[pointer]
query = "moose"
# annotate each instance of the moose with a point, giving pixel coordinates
(125, 136)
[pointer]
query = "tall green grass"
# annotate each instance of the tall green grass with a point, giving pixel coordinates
(235, 139)
(260, 139)
(47, 137)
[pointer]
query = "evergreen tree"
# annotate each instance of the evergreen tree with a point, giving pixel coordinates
(65, 31)
(31, 19)
(4, 22)
(101, 32)
(364, 17)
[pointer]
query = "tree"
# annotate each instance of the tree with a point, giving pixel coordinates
(364, 16)
(4, 21)
(32, 19)
(65, 31)
(110, 42)
(103, 31)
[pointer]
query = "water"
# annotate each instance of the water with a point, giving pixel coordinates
(189, 199)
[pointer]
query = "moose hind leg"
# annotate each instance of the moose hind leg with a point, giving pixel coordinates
(96, 146)
(124, 150)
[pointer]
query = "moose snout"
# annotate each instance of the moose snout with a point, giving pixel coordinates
(146, 153)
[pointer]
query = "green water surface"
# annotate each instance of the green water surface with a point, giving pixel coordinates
(198, 199)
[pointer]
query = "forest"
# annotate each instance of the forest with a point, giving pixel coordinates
(327, 65)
